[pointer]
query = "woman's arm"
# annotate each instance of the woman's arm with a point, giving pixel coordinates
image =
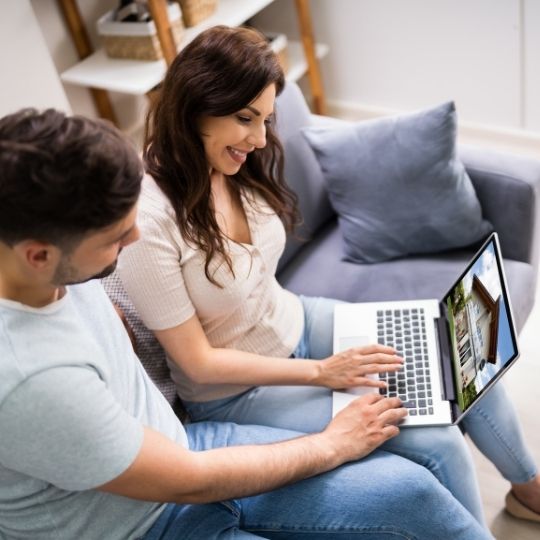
(187, 345)
(154, 280)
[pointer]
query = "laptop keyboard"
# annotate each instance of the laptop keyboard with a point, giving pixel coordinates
(405, 330)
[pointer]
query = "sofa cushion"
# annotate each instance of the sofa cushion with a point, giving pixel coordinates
(397, 185)
(302, 172)
(318, 270)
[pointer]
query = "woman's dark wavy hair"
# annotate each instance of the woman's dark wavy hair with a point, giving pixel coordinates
(220, 72)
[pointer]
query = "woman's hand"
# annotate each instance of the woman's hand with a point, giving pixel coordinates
(353, 367)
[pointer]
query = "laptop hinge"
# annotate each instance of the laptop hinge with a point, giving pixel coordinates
(445, 348)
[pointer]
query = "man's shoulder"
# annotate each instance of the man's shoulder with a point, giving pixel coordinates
(35, 341)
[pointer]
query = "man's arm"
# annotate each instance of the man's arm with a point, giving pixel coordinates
(164, 471)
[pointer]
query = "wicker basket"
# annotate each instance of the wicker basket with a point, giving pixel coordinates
(195, 11)
(137, 41)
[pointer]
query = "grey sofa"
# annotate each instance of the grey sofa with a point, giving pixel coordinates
(506, 185)
(312, 264)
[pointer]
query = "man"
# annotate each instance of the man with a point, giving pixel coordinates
(89, 448)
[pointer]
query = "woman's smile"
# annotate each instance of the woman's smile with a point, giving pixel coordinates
(239, 156)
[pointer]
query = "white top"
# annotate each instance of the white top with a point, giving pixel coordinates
(164, 276)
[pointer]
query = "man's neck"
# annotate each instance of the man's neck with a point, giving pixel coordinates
(33, 296)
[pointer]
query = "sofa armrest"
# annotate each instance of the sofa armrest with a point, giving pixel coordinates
(508, 187)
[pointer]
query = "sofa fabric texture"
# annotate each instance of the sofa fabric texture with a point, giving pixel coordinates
(397, 186)
(319, 270)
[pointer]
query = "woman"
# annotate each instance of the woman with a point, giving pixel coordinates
(202, 277)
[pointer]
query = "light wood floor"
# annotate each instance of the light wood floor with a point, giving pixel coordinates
(522, 382)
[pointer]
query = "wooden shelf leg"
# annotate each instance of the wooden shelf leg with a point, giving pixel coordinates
(76, 27)
(306, 32)
(158, 10)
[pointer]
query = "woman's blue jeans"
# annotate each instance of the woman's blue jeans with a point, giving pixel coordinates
(492, 424)
(381, 497)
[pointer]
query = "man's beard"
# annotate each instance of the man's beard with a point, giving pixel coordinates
(66, 274)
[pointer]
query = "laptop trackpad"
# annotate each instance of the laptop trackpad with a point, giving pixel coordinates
(347, 342)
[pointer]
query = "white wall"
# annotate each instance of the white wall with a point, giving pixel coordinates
(407, 54)
(532, 65)
(385, 55)
(29, 77)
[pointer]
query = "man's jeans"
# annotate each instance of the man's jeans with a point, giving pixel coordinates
(382, 496)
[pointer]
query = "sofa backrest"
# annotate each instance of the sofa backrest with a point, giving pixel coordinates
(302, 171)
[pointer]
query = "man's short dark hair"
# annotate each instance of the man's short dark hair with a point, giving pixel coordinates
(63, 176)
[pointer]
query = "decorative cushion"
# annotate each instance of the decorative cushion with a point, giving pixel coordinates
(397, 185)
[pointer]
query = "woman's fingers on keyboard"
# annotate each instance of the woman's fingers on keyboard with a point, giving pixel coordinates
(379, 358)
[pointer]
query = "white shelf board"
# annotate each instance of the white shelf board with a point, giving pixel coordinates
(297, 60)
(127, 76)
(138, 76)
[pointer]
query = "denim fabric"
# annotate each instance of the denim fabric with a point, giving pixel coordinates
(492, 424)
(381, 497)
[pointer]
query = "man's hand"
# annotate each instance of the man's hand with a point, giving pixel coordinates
(364, 425)
(352, 367)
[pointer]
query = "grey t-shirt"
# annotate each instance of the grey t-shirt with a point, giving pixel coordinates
(73, 402)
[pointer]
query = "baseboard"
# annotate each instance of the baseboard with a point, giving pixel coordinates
(514, 140)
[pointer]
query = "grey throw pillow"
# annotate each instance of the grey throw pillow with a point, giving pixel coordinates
(397, 186)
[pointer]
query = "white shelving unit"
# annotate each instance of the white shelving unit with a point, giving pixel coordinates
(139, 77)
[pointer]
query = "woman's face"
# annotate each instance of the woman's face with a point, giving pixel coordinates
(229, 139)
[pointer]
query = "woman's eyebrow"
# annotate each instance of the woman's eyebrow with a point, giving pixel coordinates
(253, 110)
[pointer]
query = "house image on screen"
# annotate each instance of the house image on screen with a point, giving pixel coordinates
(478, 345)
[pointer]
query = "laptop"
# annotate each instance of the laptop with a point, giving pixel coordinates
(455, 349)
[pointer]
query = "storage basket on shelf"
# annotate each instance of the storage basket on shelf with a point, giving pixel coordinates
(195, 11)
(137, 40)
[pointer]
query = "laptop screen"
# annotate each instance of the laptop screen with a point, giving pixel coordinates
(482, 333)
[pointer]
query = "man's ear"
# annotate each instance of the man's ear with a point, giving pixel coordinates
(37, 255)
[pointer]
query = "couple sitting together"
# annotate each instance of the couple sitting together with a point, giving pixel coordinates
(90, 449)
